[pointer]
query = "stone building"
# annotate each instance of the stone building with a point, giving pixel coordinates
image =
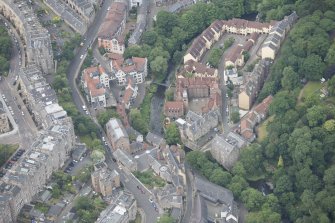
(117, 135)
(35, 37)
(134, 68)
(226, 150)
(104, 180)
(29, 174)
(123, 209)
(110, 35)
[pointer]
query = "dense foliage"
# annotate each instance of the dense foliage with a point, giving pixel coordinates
(88, 209)
(172, 135)
(298, 154)
(172, 33)
(5, 50)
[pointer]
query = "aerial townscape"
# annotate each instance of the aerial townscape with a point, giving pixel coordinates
(167, 111)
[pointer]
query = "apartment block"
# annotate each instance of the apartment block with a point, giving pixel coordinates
(104, 180)
(35, 37)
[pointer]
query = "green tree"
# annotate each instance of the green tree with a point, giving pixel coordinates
(290, 79)
(262, 216)
(228, 43)
(166, 219)
(313, 67)
(149, 37)
(316, 115)
(253, 199)
(138, 122)
(220, 177)
(104, 116)
(214, 57)
(159, 67)
(282, 103)
(166, 22)
(329, 125)
(330, 58)
(172, 135)
(235, 116)
(169, 94)
(331, 86)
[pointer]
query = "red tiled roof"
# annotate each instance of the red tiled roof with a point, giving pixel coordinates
(263, 107)
(113, 20)
(134, 64)
(93, 83)
(173, 105)
(191, 66)
(234, 54)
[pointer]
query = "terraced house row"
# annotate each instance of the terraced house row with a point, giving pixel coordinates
(49, 151)
(35, 37)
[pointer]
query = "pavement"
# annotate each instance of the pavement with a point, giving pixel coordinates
(74, 68)
(26, 126)
(189, 195)
(75, 65)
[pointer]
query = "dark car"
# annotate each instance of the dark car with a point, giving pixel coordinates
(14, 158)
(71, 164)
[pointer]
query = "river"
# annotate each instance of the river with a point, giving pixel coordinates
(157, 103)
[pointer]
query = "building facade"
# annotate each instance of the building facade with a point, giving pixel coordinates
(134, 68)
(117, 135)
(104, 180)
(110, 35)
(95, 81)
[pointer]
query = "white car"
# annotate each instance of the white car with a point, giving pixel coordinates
(87, 112)
(84, 107)
(22, 113)
(3, 96)
(82, 56)
(108, 8)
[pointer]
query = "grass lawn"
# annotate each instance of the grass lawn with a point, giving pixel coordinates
(261, 130)
(6, 151)
(309, 89)
(149, 178)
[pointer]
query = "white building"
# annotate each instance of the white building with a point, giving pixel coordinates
(134, 67)
(135, 3)
(95, 80)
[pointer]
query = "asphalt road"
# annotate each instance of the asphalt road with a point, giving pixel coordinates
(27, 128)
(74, 68)
(131, 183)
(189, 196)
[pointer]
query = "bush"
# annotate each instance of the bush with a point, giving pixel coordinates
(214, 57)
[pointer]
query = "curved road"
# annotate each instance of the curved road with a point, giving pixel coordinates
(73, 71)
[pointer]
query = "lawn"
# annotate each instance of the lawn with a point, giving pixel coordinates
(309, 89)
(149, 178)
(6, 151)
(261, 130)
